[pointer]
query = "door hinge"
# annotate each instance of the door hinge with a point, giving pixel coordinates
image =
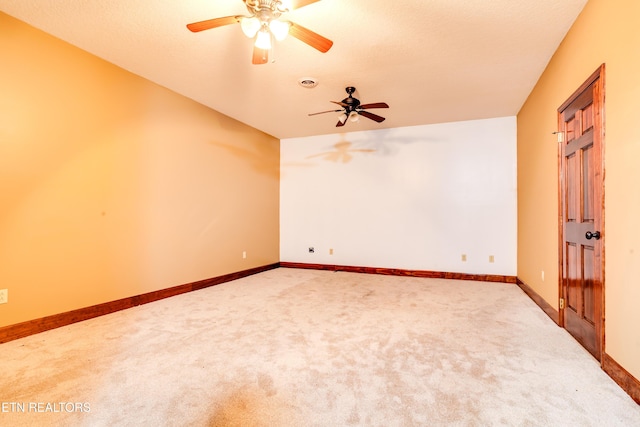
(561, 303)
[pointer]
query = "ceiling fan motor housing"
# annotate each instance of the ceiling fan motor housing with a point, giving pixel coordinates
(352, 103)
(275, 6)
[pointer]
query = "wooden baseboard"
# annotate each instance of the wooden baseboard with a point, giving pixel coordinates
(622, 377)
(402, 272)
(544, 305)
(30, 327)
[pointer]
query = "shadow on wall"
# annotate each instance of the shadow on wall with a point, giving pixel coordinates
(381, 143)
(341, 153)
(386, 142)
(255, 156)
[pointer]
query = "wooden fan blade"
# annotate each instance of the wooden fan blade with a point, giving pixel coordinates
(322, 112)
(297, 4)
(307, 36)
(260, 56)
(213, 23)
(371, 116)
(374, 105)
(340, 123)
(340, 103)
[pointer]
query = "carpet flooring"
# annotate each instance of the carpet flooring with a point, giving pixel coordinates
(291, 347)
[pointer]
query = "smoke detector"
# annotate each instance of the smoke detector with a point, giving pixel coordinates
(308, 82)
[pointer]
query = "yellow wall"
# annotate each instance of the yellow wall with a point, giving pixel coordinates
(605, 32)
(111, 186)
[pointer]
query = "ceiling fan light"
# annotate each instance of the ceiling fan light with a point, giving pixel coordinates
(279, 29)
(353, 116)
(263, 40)
(250, 26)
(342, 118)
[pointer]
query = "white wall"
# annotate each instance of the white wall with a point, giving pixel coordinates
(411, 198)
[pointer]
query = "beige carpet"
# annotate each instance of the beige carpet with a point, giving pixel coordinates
(314, 348)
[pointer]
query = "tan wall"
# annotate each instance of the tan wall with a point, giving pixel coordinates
(605, 32)
(111, 186)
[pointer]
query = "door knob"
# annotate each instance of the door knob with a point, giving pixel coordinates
(595, 235)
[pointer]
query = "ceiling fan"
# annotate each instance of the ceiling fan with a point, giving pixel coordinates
(264, 23)
(351, 108)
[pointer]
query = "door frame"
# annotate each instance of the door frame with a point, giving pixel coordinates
(599, 133)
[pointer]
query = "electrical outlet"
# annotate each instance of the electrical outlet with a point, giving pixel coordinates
(464, 257)
(491, 258)
(542, 275)
(4, 296)
(311, 249)
(331, 251)
(244, 254)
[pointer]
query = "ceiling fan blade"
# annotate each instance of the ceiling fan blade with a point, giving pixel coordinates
(322, 112)
(340, 103)
(260, 56)
(307, 36)
(371, 116)
(213, 23)
(340, 123)
(374, 105)
(297, 4)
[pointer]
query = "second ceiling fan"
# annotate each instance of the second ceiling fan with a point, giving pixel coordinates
(264, 24)
(352, 108)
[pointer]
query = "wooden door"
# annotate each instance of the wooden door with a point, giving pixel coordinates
(580, 122)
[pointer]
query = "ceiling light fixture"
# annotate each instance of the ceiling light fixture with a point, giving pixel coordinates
(264, 20)
(250, 26)
(265, 23)
(279, 29)
(263, 39)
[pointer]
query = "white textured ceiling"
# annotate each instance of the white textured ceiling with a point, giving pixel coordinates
(432, 61)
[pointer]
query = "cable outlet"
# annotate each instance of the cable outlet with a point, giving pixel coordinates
(311, 249)
(4, 296)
